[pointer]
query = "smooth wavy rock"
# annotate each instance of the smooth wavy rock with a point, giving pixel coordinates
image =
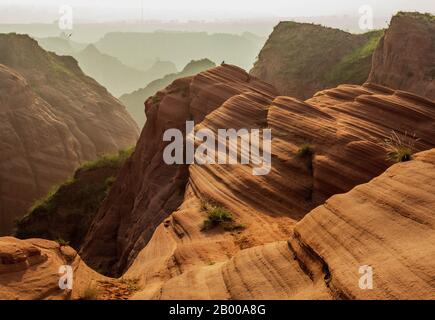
(52, 119)
(345, 126)
(150, 224)
(29, 270)
(304, 237)
(387, 224)
(148, 190)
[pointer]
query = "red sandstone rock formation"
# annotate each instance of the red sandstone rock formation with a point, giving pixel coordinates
(298, 242)
(346, 127)
(29, 270)
(387, 224)
(405, 56)
(52, 119)
(148, 190)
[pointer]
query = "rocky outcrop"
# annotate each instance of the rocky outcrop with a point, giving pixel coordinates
(52, 119)
(148, 190)
(66, 214)
(405, 57)
(386, 225)
(345, 126)
(301, 236)
(30, 270)
(300, 59)
(37, 269)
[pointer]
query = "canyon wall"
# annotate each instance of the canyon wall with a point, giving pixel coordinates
(53, 118)
(405, 57)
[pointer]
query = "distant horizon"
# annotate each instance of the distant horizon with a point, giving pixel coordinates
(261, 27)
(92, 20)
(175, 21)
(108, 11)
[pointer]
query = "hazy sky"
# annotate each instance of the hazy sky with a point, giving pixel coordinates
(26, 11)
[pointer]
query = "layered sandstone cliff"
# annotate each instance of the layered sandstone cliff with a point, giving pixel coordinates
(52, 119)
(302, 238)
(346, 127)
(405, 57)
(351, 185)
(386, 224)
(148, 190)
(30, 270)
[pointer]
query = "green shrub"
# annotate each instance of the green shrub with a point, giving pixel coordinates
(401, 154)
(305, 150)
(218, 216)
(112, 161)
(47, 203)
(353, 68)
(417, 15)
(110, 181)
(62, 242)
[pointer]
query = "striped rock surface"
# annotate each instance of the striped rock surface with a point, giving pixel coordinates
(346, 127)
(386, 224)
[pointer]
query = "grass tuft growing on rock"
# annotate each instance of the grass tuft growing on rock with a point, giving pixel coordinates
(109, 183)
(305, 150)
(400, 155)
(399, 149)
(218, 216)
(62, 242)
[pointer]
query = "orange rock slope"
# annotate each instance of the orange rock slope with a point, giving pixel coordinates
(147, 190)
(387, 224)
(30, 270)
(52, 119)
(149, 226)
